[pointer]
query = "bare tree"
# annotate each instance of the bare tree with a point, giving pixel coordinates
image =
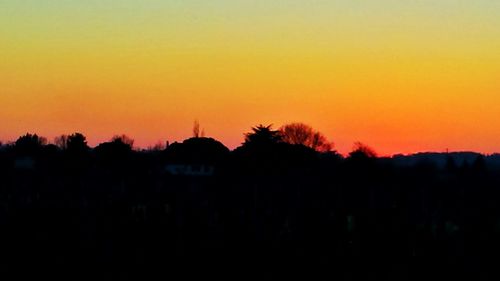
(196, 129)
(61, 141)
(299, 133)
(361, 149)
(320, 143)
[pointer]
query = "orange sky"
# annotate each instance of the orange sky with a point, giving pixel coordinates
(401, 76)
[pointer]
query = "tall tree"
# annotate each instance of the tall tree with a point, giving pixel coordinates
(197, 130)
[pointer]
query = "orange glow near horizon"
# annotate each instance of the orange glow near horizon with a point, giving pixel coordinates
(400, 77)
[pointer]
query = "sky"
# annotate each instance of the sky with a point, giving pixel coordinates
(400, 76)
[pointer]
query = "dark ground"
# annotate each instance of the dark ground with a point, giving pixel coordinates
(267, 213)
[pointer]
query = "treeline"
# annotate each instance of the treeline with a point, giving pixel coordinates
(282, 205)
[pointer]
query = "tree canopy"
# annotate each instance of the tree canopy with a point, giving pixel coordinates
(302, 134)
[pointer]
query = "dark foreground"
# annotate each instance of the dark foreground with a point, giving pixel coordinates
(272, 212)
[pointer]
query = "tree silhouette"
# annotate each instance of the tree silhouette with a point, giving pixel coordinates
(61, 141)
(300, 133)
(196, 129)
(29, 144)
(77, 143)
(362, 151)
(262, 135)
(124, 139)
(116, 151)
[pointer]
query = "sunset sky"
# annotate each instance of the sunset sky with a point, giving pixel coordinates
(400, 76)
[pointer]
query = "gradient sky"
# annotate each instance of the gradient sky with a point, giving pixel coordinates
(401, 76)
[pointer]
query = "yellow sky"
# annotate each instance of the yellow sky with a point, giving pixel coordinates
(401, 76)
